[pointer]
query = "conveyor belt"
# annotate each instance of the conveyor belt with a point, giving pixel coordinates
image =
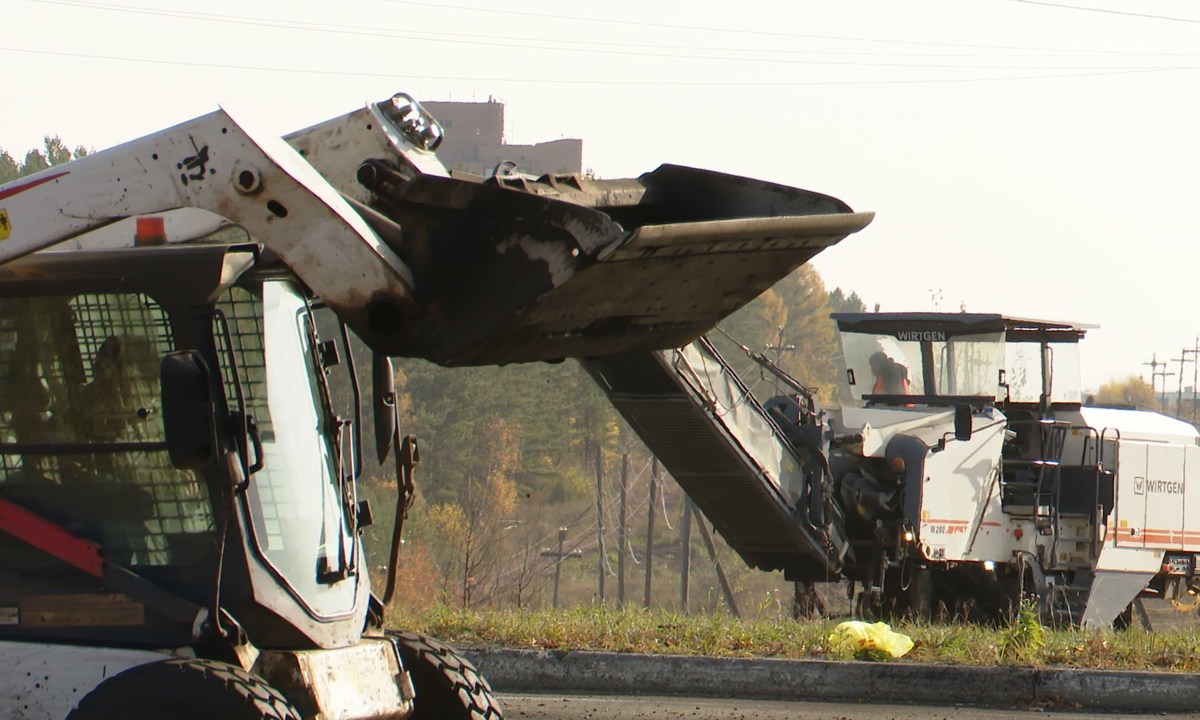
(717, 442)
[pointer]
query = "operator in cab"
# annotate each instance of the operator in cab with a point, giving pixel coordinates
(891, 378)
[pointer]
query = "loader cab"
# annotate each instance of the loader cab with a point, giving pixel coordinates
(245, 508)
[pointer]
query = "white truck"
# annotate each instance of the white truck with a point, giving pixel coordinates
(179, 523)
(969, 474)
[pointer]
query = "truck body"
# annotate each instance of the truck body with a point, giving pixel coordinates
(179, 518)
(965, 474)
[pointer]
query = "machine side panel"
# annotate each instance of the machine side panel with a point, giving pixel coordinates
(61, 676)
(1191, 499)
(1130, 512)
(1153, 490)
(1163, 490)
(960, 487)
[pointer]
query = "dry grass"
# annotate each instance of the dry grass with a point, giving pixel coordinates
(605, 628)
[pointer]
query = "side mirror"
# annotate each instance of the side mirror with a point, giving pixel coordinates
(187, 408)
(962, 423)
(383, 391)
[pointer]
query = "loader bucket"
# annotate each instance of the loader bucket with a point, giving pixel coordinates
(543, 270)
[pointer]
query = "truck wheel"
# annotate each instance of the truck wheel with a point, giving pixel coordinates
(448, 686)
(185, 690)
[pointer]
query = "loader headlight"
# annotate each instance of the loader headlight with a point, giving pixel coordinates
(412, 121)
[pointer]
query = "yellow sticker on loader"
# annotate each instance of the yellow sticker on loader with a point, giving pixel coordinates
(5, 225)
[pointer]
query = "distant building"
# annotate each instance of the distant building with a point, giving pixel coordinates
(474, 142)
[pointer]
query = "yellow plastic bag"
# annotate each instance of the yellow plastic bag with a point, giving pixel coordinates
(866, 640)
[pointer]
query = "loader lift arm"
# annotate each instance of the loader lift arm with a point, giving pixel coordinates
(460, 272)
(213, 163)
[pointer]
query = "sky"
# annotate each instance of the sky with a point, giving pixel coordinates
(1030, 158)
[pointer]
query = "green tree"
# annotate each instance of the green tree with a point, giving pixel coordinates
(559, 412)
(9, 169)
(53, 152)
(810, 330)
(35, 162)
(759, 324)
(1133, 391)
(790, 323)
(840, 302)
(843, 303)
(472, 527)
(57, 152)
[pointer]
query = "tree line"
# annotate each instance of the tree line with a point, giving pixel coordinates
(53, 152)
(512, 454)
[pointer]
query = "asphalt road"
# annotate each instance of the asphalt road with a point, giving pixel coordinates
(519, 706)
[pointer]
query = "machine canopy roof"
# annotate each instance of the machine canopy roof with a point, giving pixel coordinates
(936, 326)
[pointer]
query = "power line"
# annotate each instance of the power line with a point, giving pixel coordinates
(540, 43)
(606, 82)
(698, 28)
(561, 45)
(1107, 11)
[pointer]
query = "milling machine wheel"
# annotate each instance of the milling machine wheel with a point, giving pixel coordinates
(184, 690)
(1178, 589)
(448, 686)
(1124, 620)
(920, 595)
(869, 605)
(806, 602)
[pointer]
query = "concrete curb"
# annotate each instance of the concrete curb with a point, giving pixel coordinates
(881, 683)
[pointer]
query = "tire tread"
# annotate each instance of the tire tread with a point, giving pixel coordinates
(448, 686)
(194, 684)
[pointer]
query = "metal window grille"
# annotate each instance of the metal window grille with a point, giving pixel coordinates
(79, 371)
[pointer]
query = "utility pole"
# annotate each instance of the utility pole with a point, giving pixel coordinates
(1155, 374)
(685, 554)
(727, 591)
(600, 517)
(1153, 365)
(650, 531)
(1183, 358)
(559, 556)
(621, 531)
(779, 346)
(1194, 352)
(1164, 375)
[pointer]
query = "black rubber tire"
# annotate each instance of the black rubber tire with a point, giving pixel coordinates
(1124, 620)
(184, 690)
(920, 595)
(873, 605)
(448, 686)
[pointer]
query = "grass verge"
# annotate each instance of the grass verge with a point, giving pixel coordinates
(605, 628)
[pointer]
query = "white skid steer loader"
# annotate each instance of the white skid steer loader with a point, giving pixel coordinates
(179, 523)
